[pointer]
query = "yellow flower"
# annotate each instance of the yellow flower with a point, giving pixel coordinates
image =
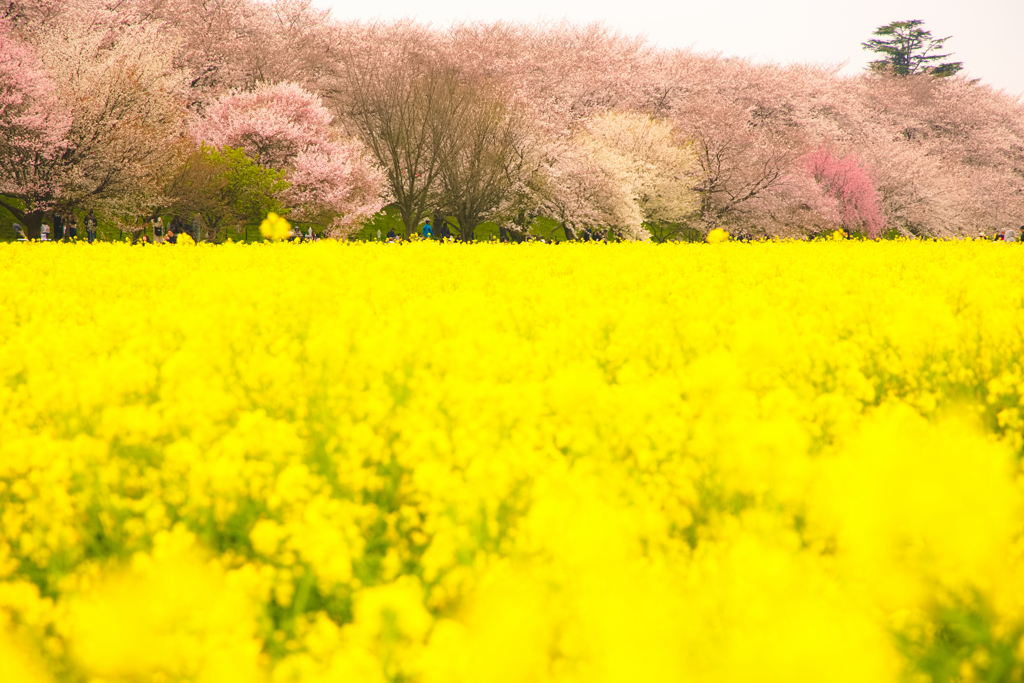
(275, 227)
(781, 465)
(717, 235)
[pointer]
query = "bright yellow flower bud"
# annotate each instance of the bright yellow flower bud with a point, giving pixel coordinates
(718, 235)
(275, 227)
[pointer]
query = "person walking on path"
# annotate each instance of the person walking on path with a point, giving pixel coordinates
(428, 232)
(158, 230)
(72, 226)
(90, 227)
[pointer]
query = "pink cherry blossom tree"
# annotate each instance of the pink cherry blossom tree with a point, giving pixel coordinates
(740, 119)
(235, 44)
(336, 185)
(115, 82)
(947, 153)
(33, 127)
(851, 185)
(273, 123)
(284, 127)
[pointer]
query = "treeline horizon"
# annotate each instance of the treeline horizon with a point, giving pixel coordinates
(233, 108)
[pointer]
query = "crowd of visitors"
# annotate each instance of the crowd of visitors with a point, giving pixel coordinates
(65, 228)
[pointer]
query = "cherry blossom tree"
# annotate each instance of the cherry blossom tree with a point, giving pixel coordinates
(947, 154)
(662, 172)
(563, 72)
(235, 44)
(336, 185)
(124, 94)
(585, 185)
(284, 127)
(619, 171)
(33, 127)
(849, 182)
(273, 123)
(740, 117)
(115, 81)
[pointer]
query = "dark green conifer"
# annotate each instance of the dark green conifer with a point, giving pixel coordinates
(907, 49)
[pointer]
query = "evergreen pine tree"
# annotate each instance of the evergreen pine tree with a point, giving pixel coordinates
(907, 49)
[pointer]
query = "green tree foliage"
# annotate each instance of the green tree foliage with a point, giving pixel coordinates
(252, 191)
(227, 188)
(908, 49)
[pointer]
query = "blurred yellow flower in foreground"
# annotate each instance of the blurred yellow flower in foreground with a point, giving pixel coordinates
(275, 227)
(717, 235)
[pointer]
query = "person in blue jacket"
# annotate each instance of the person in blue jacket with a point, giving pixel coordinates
(428, 232)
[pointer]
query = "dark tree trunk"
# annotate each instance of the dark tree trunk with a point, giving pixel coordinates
(33, 223)
(467, 230)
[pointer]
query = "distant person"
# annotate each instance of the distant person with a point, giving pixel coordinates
(378, 234)
(58, 227)
(158, 229)
(44, 232)
(428, 232)
(72, 226)
(196, 228)
(1010, 235)
(172, 237)
(445, 232)
(391, 235)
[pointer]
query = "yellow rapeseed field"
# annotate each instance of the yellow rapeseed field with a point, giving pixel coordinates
(321, 463)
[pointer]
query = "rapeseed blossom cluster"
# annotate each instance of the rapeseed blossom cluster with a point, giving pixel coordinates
(275, 227)
(308, 463)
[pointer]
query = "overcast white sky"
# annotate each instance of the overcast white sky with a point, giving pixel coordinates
(988, 35)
